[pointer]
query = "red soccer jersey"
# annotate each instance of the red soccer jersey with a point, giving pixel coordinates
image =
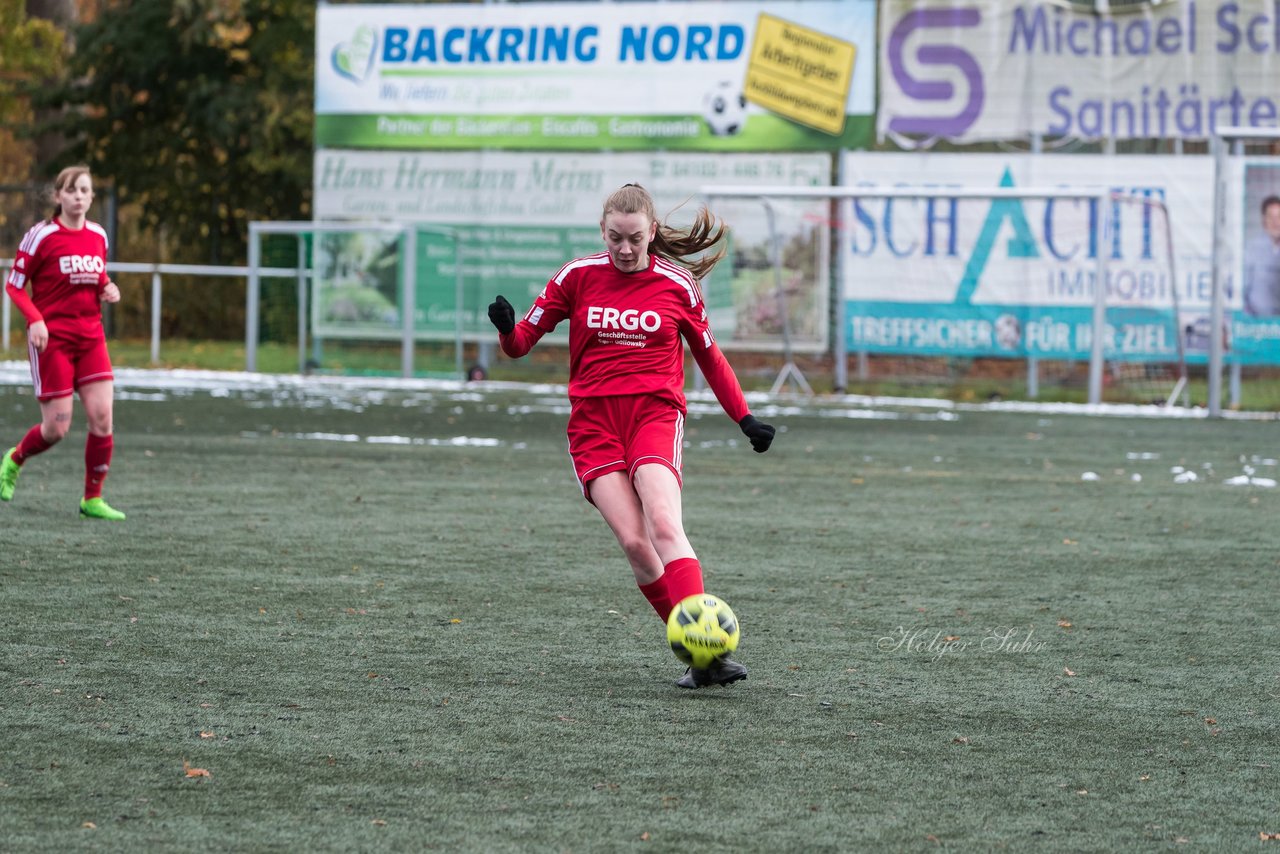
(66, 269)
(625, 331)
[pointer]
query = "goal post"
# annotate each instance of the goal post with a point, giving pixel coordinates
(1053, 297)
(367, 281)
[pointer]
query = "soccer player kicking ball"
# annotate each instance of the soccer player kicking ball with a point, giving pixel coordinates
(64, 260)
(628, 309)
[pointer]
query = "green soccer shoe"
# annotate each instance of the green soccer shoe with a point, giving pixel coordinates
(96, 508)
(9, 471)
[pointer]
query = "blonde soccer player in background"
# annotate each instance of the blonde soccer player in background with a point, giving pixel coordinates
(63, 261)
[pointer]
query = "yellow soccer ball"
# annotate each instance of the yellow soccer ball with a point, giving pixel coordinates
(702, 628)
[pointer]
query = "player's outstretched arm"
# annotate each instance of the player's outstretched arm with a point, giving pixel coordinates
(720, 376)
(760, 434)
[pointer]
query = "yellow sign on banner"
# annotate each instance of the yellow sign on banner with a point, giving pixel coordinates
(800, 73)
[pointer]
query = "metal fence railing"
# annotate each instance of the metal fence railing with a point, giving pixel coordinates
(158, 272)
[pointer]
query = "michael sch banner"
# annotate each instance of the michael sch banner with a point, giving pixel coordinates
(970, 71)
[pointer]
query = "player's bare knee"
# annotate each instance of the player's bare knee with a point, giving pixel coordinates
(55, 430)
(637, 548)
(664, 526)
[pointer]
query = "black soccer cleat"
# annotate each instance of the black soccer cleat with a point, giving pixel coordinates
(724, 671)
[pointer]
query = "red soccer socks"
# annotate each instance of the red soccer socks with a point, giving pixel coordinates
(33, 443)
(97, 461)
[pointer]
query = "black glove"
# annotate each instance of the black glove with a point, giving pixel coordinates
(502, 315)
(760, 434)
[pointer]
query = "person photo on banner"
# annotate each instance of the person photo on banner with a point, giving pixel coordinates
(1262, 264)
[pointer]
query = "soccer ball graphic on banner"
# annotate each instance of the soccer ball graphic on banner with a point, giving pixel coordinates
(702, 628)
(725, 109)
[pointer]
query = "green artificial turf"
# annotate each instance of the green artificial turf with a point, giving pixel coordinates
(429, 641)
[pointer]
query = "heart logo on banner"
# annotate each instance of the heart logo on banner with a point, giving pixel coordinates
(354, 59)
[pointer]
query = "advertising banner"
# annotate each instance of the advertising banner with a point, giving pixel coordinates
(357, 284)
(1255, 329)
(745, 76)
(1018, 277)
(518, 217)
(971, 71)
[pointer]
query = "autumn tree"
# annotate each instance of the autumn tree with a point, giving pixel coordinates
(198, 112)
(31, 54)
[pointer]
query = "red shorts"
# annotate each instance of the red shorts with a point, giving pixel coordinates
(608, 434)
(68, 362)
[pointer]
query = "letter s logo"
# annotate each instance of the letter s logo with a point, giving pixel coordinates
(936, 90)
